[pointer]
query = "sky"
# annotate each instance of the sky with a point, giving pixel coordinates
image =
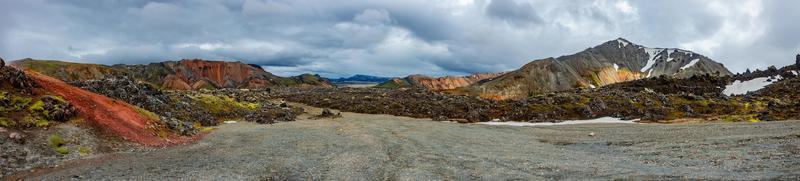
(337, 38)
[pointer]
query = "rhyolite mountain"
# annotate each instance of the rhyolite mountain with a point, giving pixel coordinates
(614, 61)
(359, 78)
(187, 74)
(437, 83)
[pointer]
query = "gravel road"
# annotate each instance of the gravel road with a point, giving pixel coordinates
(382, 147)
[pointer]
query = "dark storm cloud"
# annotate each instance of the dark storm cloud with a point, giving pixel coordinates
(388, 37)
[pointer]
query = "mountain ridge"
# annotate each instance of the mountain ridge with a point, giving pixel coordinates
(614, 61)
(185, 74)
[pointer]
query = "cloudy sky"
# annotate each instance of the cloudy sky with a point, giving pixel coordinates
(390, 37)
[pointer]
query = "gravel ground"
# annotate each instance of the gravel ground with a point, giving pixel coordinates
(382, 147)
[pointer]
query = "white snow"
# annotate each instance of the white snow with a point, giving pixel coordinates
(603, 120)
(649, 73)
(592, 86)
(616, 67)
(795, 72)
(690, 64)
(669, 54)
(230, 122)
(739, 87)
(653, 55)
(622, 43)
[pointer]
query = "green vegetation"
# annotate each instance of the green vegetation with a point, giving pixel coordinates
(58, 144)
(224, 107)
(84, 150)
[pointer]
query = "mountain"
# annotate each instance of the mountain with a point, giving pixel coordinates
(438, 83)
(614, 61)
(358, 78)
(187, 74)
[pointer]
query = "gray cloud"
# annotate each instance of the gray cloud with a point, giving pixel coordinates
(391, 38)
(517, 13)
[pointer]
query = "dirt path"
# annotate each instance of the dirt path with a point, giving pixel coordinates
(381, 147)
(109, 115)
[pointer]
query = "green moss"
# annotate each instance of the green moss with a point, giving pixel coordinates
(62, 150)
(84, 150)
(146, 113)
(6, 123)
(37, 107)
(223, 105)
(18, 103)
(56, 140)
(57, 143)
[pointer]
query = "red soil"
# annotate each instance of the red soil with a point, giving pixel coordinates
(110, 116)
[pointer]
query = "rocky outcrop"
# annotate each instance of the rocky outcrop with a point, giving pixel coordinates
(3, 63)
(797, 61)
(611, 62)
(198, 74)
(437, 83)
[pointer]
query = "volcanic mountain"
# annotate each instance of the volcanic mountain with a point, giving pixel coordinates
(614, 61)
(187, 74)
(437, 83)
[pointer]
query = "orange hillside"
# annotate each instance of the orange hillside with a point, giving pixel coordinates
(109, 115)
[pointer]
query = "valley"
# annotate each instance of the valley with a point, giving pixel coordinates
(659, 113)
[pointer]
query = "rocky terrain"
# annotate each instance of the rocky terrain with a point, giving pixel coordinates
(436, 83)
(611, 62)
(382, 147)
(181, 111)
(656, 99)
(188, 74)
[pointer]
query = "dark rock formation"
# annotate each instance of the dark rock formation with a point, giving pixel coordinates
(3, 62)
(56, 109)
(797, 61)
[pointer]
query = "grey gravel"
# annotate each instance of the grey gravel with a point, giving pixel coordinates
(382, 147)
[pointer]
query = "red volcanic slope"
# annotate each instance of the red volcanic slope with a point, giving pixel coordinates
(109, 115)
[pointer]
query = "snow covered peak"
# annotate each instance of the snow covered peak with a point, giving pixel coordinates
(622, 42)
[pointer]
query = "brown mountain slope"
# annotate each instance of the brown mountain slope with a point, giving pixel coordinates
(188, 74)
(437, 83)
(611, 62)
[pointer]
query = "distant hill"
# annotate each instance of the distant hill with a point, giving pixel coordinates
(360, 79)
(611, 62)
(187, 74)
(437, 83)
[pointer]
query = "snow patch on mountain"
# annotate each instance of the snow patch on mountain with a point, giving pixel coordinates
(690, 64)
(653, 54)
(743, 87)
(622, 43)
(616, 67)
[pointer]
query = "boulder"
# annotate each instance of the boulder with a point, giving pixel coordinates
(3, 63)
